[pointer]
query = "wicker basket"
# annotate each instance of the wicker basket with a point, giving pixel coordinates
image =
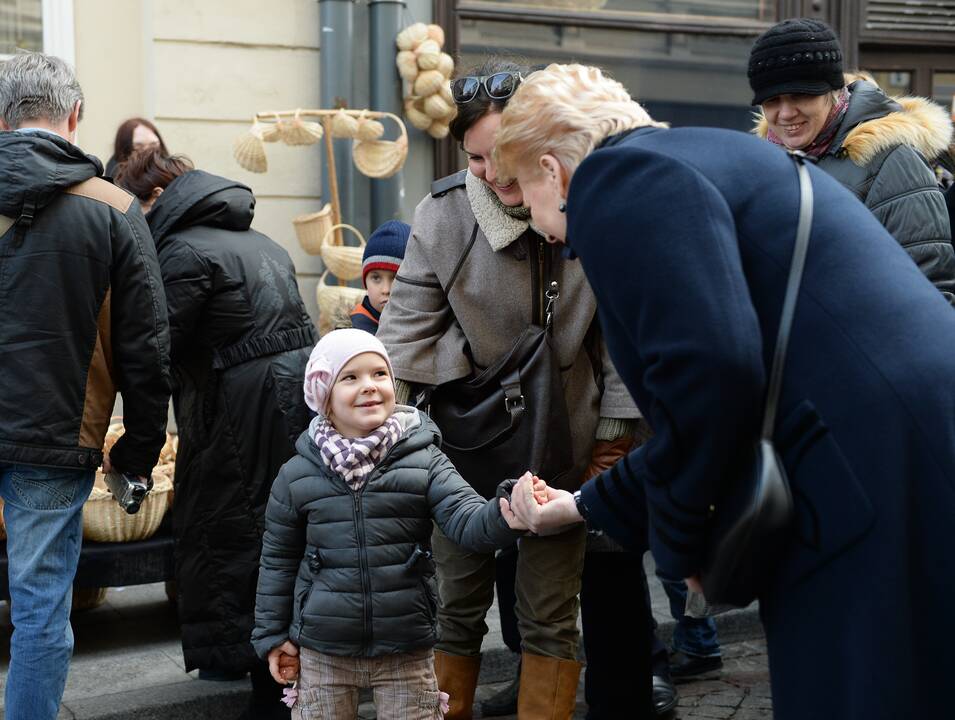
(105, 521)
(166, 471)
(311, 229)
(344, 261)
(381, 158)
(331, 299)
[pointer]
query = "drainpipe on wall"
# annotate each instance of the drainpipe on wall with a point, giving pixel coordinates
(384, 24)
(337, 22)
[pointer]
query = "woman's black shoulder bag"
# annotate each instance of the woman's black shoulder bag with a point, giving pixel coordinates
(510, 417)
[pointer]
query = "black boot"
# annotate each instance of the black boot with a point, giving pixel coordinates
(504, 702)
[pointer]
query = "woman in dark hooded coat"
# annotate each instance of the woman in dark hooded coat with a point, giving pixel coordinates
(240, 339)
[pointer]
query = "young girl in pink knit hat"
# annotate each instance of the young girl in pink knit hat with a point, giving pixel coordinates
(347, 586)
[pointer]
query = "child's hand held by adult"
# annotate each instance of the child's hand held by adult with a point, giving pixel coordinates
(557, 513)
(284, 662)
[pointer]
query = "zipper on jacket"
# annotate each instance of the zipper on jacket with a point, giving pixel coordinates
(366, 639)
(367, 636)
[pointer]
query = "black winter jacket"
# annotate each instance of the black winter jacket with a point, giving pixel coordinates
(240, 339)
(83, 313)
(349, 573)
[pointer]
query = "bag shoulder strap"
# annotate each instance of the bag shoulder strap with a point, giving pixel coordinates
(452, 278)
(800, 247)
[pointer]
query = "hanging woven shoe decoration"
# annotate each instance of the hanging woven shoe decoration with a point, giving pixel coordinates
(426, 75)
(248, 150)
(300, 132)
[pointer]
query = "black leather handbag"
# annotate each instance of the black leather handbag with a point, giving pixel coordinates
(509, 418)
(750, 525)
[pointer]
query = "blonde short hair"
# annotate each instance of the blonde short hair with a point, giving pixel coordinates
(564, 111)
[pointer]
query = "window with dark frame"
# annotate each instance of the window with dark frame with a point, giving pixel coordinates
(684, 60)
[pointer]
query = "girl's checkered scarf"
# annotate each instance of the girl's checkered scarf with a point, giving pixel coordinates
(354, 458)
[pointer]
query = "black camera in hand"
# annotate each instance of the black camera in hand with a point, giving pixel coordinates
(128, 490)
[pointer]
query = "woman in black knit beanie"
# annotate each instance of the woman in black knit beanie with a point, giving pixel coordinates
(876, 146)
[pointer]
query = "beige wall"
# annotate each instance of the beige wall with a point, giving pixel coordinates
(110, 67)
(200, 70)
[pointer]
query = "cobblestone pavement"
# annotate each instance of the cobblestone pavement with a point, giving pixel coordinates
(739, 692)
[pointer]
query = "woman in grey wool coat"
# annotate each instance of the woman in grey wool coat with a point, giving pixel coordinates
(474, 229)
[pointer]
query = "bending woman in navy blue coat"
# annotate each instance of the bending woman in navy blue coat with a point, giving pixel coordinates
(686, 236)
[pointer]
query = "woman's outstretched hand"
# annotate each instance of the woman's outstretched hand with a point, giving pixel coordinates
(540, 495)
(550, 514)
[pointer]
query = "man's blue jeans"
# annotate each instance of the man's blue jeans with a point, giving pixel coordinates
(43, 512)
(691, 636)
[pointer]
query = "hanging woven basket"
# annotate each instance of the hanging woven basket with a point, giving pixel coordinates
(382, 158)
(344, 261)
(311, 229)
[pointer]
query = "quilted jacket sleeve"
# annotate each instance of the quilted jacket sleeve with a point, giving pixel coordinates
(463, 515)
(905, 198)
(283, 547)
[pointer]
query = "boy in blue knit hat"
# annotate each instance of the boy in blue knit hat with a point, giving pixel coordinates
(384, 252)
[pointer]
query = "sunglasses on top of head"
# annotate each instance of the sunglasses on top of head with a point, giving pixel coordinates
(499, 86)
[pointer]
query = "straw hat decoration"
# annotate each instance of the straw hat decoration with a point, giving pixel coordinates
(426, 72)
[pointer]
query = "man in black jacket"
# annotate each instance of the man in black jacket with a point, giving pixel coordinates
(82, 315)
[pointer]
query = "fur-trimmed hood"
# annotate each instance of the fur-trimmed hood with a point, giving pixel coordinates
(874, 123)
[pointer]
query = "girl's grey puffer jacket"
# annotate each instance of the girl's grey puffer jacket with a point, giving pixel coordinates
(350, 573)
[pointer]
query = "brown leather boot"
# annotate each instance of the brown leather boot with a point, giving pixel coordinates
(548, 688)
(457, 676)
